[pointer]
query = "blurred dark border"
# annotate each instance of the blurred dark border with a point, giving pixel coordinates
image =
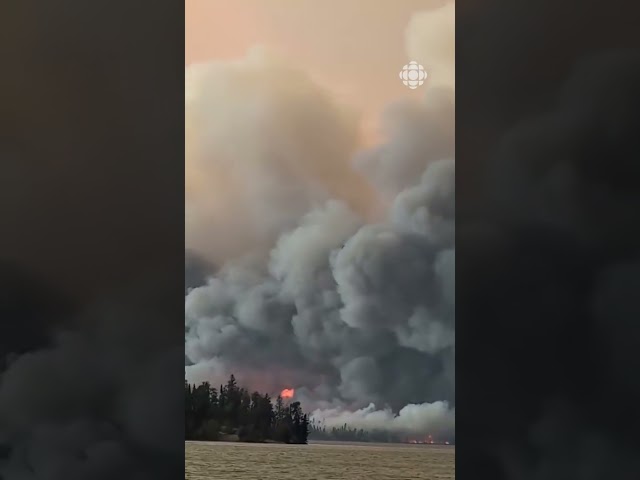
(547, 239)
(92, 239)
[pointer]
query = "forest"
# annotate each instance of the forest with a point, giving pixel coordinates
(232, 413)
(347, 434)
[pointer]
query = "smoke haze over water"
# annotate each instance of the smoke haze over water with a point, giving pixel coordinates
(335, 268)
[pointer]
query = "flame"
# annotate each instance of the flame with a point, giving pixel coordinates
(287, 393)
(427, 440)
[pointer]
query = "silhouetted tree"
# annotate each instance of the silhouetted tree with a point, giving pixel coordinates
(233, 410)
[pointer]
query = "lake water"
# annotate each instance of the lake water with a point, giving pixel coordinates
(318, 461)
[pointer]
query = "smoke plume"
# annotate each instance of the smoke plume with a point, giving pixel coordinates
(75, 408)
(335, 268)
(436, 418)
(563, 199)
(264, 145)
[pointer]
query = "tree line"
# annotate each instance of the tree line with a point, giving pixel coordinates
(347, 434)
(231, 412)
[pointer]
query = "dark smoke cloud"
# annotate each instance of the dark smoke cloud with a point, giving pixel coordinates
(87, 354)
(196, 270)
(82, 406)
(357, 314)
(558, 257)
(35, 308)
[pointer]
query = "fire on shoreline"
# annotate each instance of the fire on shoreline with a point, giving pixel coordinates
(428, 440)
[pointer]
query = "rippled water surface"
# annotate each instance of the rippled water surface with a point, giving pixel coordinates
(242, 461)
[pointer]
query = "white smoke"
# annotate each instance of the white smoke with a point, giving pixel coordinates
(436, 419)
(264, 145)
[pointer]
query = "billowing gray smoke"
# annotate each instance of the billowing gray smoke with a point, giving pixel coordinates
(349, 302)
(77, 409)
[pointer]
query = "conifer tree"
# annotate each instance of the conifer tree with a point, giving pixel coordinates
(210, 412)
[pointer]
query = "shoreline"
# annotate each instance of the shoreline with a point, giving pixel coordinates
(235, 439)
(329, 443)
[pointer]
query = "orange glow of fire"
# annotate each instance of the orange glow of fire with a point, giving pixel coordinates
(287, 393)
(428, 440)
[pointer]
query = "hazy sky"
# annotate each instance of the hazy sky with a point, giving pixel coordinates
(355, 47)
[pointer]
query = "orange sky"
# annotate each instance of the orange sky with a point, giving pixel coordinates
(354, 47)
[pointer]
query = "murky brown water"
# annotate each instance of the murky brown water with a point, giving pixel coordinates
(242, 461)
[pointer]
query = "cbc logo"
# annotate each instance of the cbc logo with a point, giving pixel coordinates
(413, 75)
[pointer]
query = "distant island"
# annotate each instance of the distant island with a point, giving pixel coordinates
(231, 413)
